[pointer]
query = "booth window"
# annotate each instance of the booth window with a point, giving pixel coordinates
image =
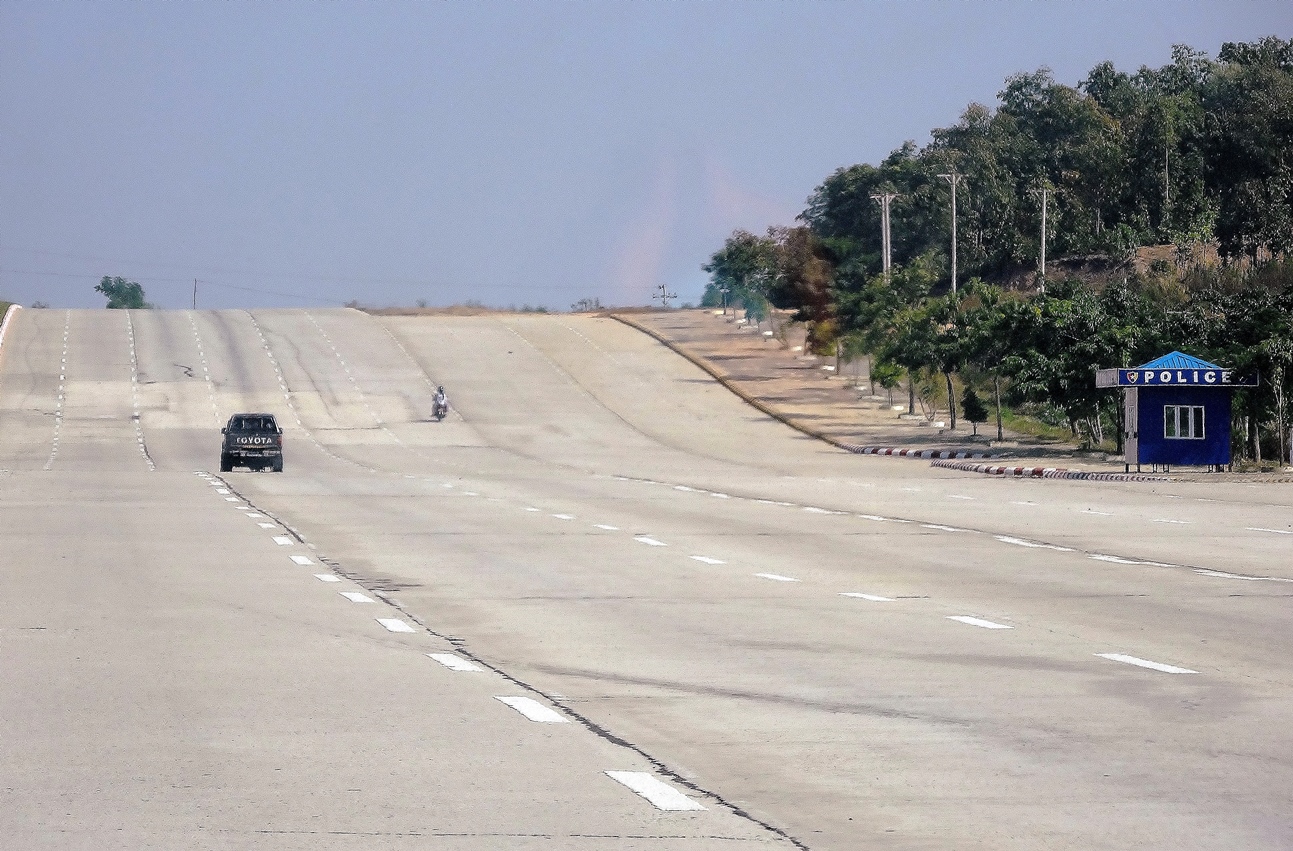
(1183, 422)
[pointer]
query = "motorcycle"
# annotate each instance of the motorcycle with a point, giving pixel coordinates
(439, 409)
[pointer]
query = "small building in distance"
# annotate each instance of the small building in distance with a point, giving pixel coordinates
(1176, 411)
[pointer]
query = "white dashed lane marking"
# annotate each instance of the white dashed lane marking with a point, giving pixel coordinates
(708, 560)
(1145, 663)
(395, 625)
(282, 540)
(661, 795)
(533, 710)
(266, 525)
(1019, 542)
(356, 597)
(649, 541)
(327, 577)
(1276, 531)
(874, 598)
(222, 490)
(606, 527)
(455, 663)
(978, 622)
(302, 560)
(564, 516)
(776, 577)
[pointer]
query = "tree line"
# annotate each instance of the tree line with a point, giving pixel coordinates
(1196, 155)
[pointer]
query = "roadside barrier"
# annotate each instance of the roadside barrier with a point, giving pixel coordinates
(1047, 473)
(4, 324)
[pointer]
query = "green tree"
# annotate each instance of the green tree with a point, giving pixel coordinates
(122, 294)
(973, 409)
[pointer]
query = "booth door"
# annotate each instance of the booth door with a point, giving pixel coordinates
(1131, 420)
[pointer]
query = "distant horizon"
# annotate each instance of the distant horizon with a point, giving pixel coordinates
(304, 155)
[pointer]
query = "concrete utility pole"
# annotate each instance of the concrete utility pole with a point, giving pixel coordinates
(955, 180)
(885, 199)
(195, 293)
(1041, 265)
(662, 293)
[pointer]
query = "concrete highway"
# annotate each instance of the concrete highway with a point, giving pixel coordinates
(775, 643)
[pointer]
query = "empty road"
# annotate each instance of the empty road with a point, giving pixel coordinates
(604, 604)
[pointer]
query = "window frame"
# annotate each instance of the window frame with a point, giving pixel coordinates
(1189, 416)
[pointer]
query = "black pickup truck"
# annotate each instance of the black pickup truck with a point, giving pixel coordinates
(252, 440)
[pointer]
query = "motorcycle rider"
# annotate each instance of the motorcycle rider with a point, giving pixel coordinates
(439, 404)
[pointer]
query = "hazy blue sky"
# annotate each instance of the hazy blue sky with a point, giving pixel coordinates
(510, 152)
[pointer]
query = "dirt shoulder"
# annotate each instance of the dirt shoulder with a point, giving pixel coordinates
(806, 392)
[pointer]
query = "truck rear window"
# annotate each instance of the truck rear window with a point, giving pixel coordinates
(254, 424)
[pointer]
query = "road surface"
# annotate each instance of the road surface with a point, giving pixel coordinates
(731, 636)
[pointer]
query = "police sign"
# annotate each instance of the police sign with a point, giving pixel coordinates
(1142, 377)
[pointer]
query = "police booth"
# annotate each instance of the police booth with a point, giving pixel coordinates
(1176, 410)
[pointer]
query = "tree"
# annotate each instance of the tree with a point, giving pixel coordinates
(972, 408)
(122, 294)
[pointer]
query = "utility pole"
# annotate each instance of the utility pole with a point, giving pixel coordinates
(664, 295)
(1042, 193)
(955, 180)
(195, 293)
(885, 199)
(723, 291)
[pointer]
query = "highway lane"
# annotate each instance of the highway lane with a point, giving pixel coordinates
(526, 530)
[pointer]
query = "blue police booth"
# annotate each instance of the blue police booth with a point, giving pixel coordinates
(1176, 410)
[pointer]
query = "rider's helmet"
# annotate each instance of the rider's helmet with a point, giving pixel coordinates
(440, 389)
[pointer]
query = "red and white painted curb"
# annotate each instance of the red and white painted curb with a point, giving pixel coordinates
(911, 453)
(1047, 473)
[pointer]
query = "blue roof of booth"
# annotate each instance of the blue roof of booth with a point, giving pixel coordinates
(1178, 360)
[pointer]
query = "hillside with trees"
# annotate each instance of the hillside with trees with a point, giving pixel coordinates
(1194, 159)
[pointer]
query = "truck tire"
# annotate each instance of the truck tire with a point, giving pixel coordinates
(278, 465)
(226, 465)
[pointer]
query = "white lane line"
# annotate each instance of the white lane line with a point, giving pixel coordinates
(1101, 513)
(1221, 574)
(814, 510)
(877, 518)
(943, 528)
(1167, 520)
(1276, 531)
(1145, 663)
(564, 516)
(1019, 542)
(1120, 560)
(708, 560)
(684, 488)
(266, 525)
(302, 560)
(958, 496)
(661, 795)
(530, 508)
(649, 541)
(455, 663)
(470, 493)
(222, 490)
(232, 499)
(874, 598)
(533, 710)
(718, 495)
(395, 625)
(327, 577)
(978, 622)
(282, 540)
(606, 527)
(776, 577)
(356, 597)
(251, 515)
